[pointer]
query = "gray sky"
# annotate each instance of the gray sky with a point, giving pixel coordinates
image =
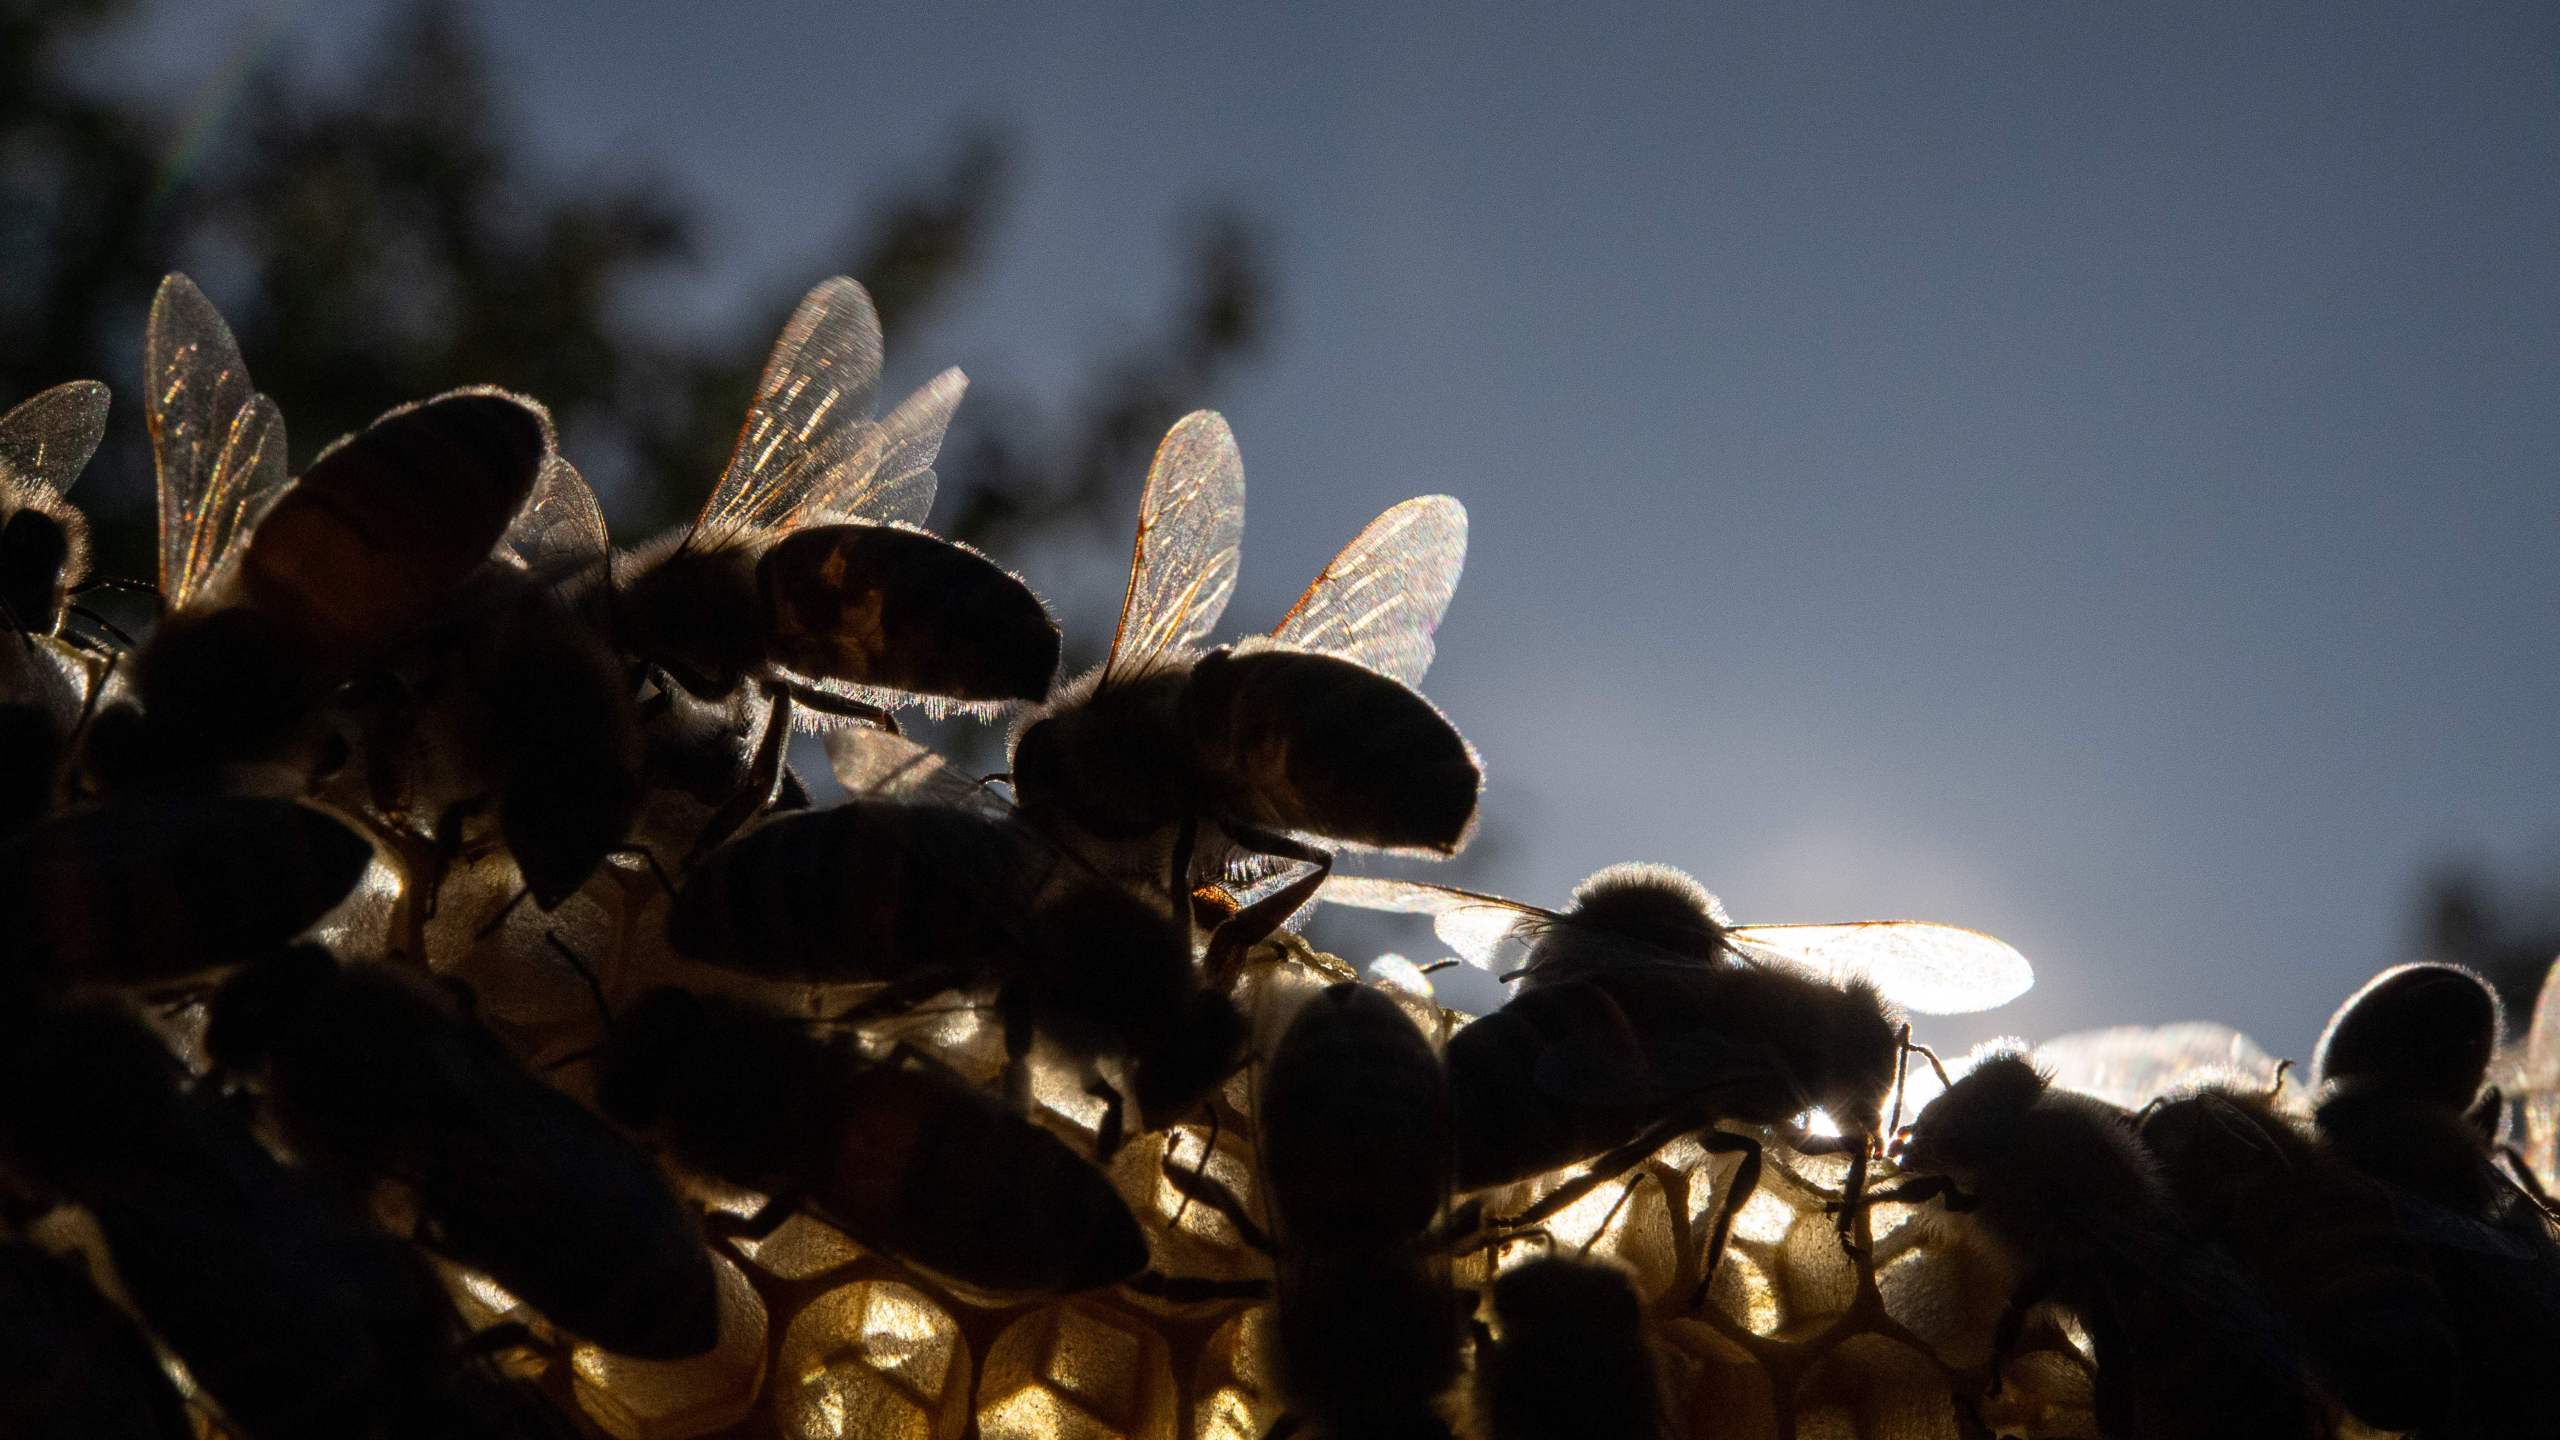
(2084, 473)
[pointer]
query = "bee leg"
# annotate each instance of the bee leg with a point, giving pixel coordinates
(2013, 1323)
(1601, 1171)
(1185, 840)
(1252, 924)
(1194, 1185)
(763, 782)
(2520, 1173)
(1279, 846)
(1920, 1192)
(1194, 1289)
(1018, 1035)
(1459, 1226)
(1738, 1190)
(1107, 1137)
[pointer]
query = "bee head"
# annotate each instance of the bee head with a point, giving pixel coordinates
(641, 1055)
(1556, 1295)
(2422, 1032)
(1864, 1050)
(245, 1013)
(1663, 907)
(37, 558)
(1969, 1127)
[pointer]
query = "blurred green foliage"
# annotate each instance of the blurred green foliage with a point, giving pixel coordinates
(393, 235)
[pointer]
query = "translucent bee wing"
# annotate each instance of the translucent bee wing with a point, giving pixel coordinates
(1930, 968)
(1190, 542)
(2537, 1075)
(2131, 1065)
(874, 763)
(48, 438)
(218, 445)
(799, 453)
(890, 479)
(2542, 1038)
(1381, 599)
(561, 530)
(1485, 930)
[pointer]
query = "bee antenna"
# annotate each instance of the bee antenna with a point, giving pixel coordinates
(586, 973)
(103, 623)
(1507, 976)
(1901, 1074)
(1925, 1053)
(2276, 1090)
(159, 602)
(1436, 966)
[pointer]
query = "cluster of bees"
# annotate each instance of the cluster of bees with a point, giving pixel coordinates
(437, 1008)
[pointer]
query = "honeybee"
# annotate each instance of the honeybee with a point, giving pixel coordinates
(291, 1313)
(159, 885)
(2402, 1076)
(905, 1159)
(808, 572)
(2322, 1243)
(1315, 731)
(45, 686)
(2185, 1349)
(372, 1070)
(71, 1363)
(277, 591)
(1572, 1359)
(1352, 1119)
(923, 879)
(2133, 1065)
(1643, 1014)
(44, 540)
(513, 695)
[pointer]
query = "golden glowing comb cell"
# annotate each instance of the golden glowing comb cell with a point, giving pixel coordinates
(1872, 1388)
(801, 1248)
(1077, 1371)
(875, 1360)
(680, 1399)
(1236, 1396)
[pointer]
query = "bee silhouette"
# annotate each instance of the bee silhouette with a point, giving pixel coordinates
(1316, 731)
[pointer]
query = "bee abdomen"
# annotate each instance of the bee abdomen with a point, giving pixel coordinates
(875, 605)
(940, 1175)
(1302, 741)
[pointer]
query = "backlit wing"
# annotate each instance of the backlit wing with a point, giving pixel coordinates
(1933, 969)
(810, 418)
(1380, 600)
(1486, 930)
(890, 478)
(2132, 1065)
(48, 439)
(875, 764)
(218, 445)
(561, 529)
(1182, 568)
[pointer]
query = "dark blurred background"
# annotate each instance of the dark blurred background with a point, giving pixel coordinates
(2085, 476)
